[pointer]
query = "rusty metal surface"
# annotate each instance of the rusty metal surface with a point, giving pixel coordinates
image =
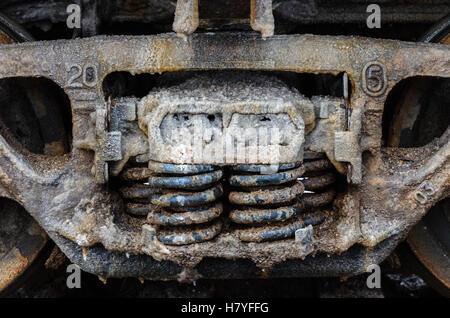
(218, 107)
(275, 195)
(409, 105)
(21, 238)
(278, 232)
(318, 182)
(173, 197)
(185, 182)
(186, 17)
(270, 179)
(354, 260)
(261, 17)
(428, 239)
(317, 165)
(197, 216)
(395, 190)
(190, 236)
(252, 216)
(320, 199)
(268, 205)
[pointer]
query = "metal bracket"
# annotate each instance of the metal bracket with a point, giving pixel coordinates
(346, 149)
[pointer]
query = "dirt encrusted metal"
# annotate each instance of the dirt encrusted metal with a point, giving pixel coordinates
(388, 189)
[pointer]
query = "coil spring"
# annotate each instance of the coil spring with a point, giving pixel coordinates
(269, 207)
(180, 199)
(319, 181)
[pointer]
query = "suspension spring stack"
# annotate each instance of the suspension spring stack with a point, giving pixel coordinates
(270, 207)
(181, 200)
(184, 202)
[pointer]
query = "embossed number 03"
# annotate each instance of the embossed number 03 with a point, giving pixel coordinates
(424, 193)
(81, 76)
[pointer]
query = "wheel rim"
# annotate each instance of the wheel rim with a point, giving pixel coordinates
(21, 241)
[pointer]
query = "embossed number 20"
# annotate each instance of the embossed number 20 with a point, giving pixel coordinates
(87, 74)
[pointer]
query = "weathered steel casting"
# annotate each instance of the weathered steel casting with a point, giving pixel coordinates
(187, 17)
(427, 238)
(389, 189)
(21, 238)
